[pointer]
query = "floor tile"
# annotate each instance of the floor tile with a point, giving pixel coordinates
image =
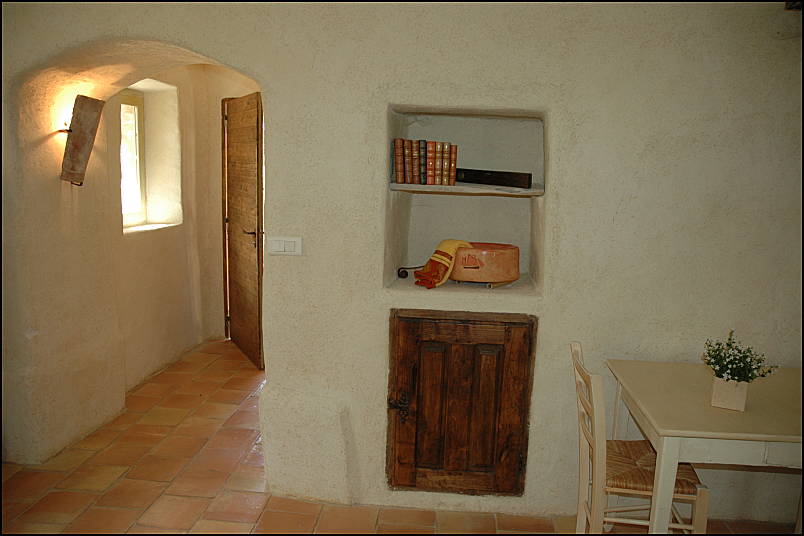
(198, 388)
(255, 457)
(156, 468)
(251, 403)
(244, 384)
(26, 485)
(140, 404)
(199, 426)
(93, 478)
(65, 461)
(284, 523)
(464, 522)
(243, 419)
(296, 506)
(406, 516)
(214, 347)
(215, 411)
(206, 526)
(155, 429)
(123, 421)
(97, 440)
(181, 401)
(119, 455)
(247, 478)
(716, 526)
(128, 493)
(13, 509)
(135, 438)
(58, 507)
(217, 376)
(199, 358)
(18, 527)
(10, 469)
(172, 378)
(170, 512)
(233, 438)
(404, 529)
(163, 416)
(744, 526)
(239, 506)
(177, 446)
(192, 366)
(224, 364)
(103, 521)
(156, 390)
(346, 519)
(198, 483)
(143, 529)
(228, 396)
(524, 523)
(224, 460)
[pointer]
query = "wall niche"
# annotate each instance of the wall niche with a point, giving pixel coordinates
(419, 217)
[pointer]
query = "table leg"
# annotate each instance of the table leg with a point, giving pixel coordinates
(664, 480)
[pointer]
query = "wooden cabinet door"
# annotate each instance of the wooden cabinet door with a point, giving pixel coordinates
(459, 393)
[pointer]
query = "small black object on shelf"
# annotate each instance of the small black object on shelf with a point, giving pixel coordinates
(494, 178)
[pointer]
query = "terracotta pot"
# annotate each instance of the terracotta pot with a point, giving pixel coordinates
(486, 262)
(729, 395)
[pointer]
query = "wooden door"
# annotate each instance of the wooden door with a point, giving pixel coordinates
(459, 393)
(242, 220)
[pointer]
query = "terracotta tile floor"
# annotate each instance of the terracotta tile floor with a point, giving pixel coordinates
(186, 456)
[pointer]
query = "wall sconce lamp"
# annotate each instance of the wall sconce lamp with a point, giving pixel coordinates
(80, 138)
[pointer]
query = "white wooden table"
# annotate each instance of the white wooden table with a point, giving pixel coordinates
(670, 402)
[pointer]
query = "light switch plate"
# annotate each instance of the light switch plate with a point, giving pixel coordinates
(283, 245)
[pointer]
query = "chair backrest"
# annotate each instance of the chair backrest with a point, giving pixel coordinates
(592, 440)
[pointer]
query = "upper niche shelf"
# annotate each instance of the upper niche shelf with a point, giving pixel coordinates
(499, 140)
(465, 188)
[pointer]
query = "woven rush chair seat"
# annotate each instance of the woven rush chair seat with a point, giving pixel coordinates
(631, 464)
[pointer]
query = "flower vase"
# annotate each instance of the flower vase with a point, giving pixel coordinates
(729, 394)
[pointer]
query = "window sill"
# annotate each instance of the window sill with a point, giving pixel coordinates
(147, 227)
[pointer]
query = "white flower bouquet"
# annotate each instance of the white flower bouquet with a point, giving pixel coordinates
(733, 362)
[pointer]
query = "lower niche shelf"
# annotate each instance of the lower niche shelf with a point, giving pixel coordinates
(524, 285)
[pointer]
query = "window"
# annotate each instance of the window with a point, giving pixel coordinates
(150, 156)
(132, 153)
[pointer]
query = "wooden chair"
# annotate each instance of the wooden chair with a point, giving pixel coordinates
(622, 468)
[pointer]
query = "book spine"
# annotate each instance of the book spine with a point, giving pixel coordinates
(431, 148)
(399, 160)
(408, 168)
(453, 164)
(414, 162)
(423, 161)
(439, 164)
(445, 164)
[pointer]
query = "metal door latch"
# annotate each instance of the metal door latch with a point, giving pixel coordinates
(402, 405)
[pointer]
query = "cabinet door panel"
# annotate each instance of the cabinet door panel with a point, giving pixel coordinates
(402, 438)
(483, 424)
(430, 417)
(512, 419)
(460, 369)
(463, 332)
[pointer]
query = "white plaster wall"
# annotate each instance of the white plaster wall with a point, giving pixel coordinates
(672, 210)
